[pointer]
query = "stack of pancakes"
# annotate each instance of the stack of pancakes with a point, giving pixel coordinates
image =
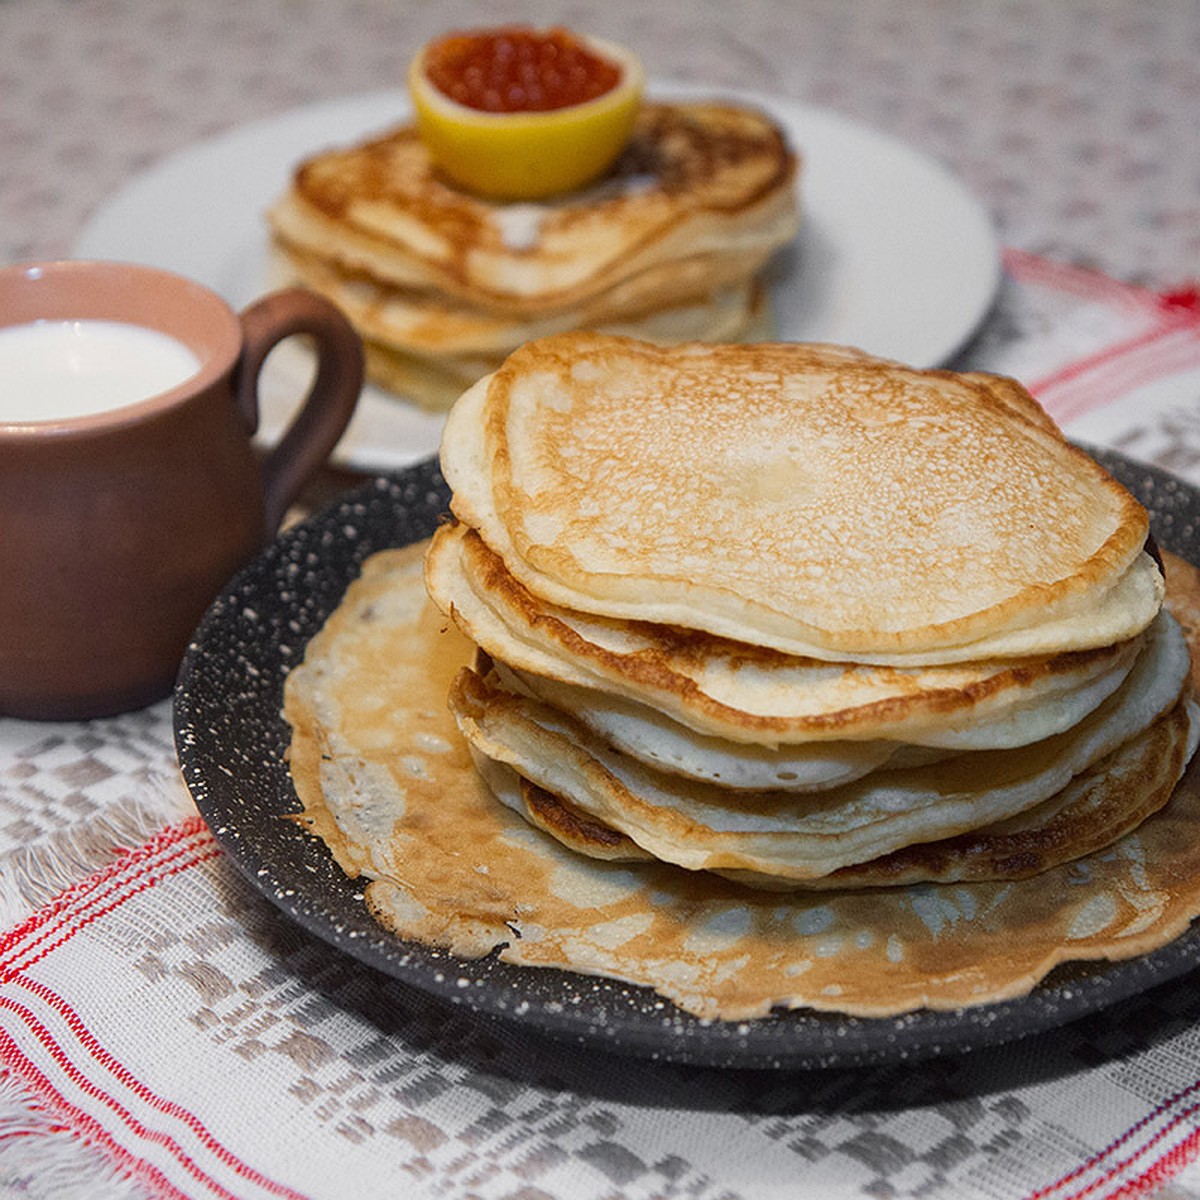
(801, 617)
(441, 284)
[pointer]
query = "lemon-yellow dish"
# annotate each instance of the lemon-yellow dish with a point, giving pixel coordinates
(515, 153)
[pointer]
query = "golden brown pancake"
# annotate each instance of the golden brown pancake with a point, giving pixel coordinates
(778, 676)
(698, 183)
(1098, 806)
(805, 837)
(442, 284)
(427, 325)
(563, 821)
(732, 690)
(808, 498)
(430, 348)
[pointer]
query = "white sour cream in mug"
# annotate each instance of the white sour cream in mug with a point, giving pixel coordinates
(53, 370)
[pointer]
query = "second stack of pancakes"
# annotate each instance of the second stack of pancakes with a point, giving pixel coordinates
(802, 617)
(670, 245)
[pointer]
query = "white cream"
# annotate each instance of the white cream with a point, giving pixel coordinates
(53, 370)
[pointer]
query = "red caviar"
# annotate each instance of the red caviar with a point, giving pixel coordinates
(517, 69)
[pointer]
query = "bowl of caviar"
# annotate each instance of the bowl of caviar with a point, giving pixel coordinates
(518, 113)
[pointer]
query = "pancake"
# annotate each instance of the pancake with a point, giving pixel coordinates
(431, 349)
(441, 284)
(721, 688)
(1099, 805)
(645, 734)
(431, 325)
(568, 825)
(801, 837)
(755, 657)
(807, 498)
(705, 183)
(388, 782)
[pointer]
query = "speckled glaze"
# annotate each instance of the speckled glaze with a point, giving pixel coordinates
(119, 527)
(232, 743)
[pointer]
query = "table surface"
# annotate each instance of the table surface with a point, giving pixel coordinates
(1074, 122)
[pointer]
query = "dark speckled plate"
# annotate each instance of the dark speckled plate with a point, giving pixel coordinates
(231, 741)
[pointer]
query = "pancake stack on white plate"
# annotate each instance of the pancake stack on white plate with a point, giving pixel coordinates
(670, 246)
(801, 617)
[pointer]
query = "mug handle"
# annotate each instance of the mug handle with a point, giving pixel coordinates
(324, 413)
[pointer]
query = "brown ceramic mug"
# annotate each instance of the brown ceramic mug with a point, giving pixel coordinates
(119, 527)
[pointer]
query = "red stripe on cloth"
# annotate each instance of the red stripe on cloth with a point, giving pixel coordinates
(1168, 1166)
(88, 1087)
(1079, 281)
(1094, 363)
(125, 891)
(1185, 297)
(102, 1058)
(191, 827)
(76, 902)
(169, 853)
(1170, 1163)
(1085, 383)
(82, 1125)
(1096, 383)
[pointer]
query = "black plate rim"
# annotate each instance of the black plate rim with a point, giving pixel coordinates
(594, 1012)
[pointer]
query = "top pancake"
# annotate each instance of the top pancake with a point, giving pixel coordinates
(808, 498)
(705, 185)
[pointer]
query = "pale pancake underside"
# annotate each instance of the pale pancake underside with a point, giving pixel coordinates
(1095, 809)
(386, 779)
(807, 498)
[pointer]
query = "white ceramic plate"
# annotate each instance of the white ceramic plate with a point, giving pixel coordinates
(894, 256)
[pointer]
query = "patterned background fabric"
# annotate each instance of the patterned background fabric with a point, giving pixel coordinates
(1073, 120)
(165, 1031)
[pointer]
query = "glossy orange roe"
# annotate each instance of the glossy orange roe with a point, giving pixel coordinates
(516, 69)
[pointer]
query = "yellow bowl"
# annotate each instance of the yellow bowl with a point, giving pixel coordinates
(529, 155)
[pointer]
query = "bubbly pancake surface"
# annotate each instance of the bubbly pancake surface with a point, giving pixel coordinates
(876, 642)
(387, 780)
(807, 498)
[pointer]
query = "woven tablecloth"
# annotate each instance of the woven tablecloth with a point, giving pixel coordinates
(165, 1031)
(162, 1023)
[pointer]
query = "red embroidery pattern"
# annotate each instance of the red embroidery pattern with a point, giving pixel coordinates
(74, 1049)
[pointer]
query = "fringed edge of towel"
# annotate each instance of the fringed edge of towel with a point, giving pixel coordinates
(56, 1162)
(33, 875)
